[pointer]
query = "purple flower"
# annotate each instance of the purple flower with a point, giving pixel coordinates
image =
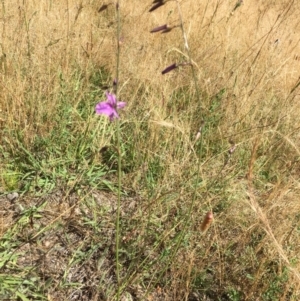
(110, 106)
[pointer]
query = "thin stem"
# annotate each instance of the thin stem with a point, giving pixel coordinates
(118, 49)
(187, 220)
(118, 210)
(191, 207)
(186, 46)
(68, 38)
(119, 155)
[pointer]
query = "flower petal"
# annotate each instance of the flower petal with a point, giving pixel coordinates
(104, 108)
(114, 115)
(121, 104)
(111, 98)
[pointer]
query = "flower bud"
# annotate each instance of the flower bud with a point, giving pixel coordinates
(170, 68)
(207, 221)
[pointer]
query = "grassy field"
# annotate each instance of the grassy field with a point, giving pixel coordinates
(98, 210)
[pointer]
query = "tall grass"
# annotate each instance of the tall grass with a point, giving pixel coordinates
(58, 237)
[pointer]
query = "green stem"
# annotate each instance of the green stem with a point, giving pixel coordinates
(119, 155)
(186, 45)
(186, 222)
